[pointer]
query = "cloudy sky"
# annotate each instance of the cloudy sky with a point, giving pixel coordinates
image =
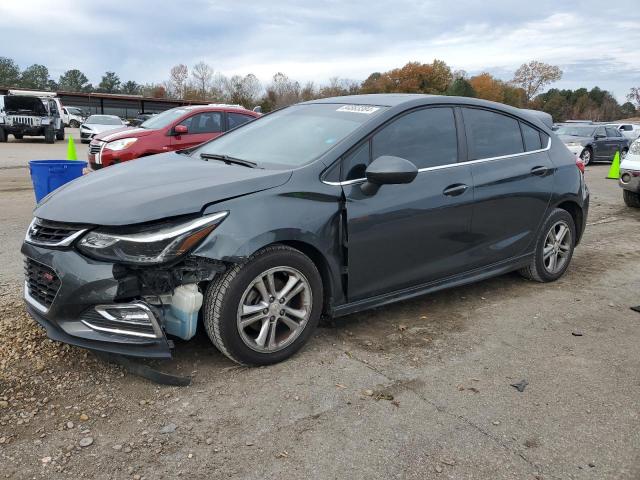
(594, 42)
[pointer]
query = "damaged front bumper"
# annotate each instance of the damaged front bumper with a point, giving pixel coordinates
(98, 306)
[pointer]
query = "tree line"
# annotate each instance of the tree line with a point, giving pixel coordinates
(202, 83)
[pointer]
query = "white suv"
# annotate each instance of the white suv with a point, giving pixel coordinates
(629, 130)
(72, 117)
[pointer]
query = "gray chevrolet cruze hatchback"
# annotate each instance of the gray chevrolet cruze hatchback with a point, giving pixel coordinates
(326, 207)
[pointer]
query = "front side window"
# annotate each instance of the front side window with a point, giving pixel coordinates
(491, 134)
(531, 137)
(600, 131)
(207, 122)
(425, 137)
(291, 137)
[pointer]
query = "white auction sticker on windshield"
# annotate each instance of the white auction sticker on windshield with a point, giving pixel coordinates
(366, 109)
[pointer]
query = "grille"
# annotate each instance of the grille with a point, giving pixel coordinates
(42, 232)
(94, 148)
(31, 121)
(42, 282)
(142, 328)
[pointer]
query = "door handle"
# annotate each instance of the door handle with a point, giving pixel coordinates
(539, 171)
(455, 189)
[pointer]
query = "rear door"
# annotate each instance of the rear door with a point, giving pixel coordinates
(406, 235)
(616, 140)
(513, 183)
(202, 127)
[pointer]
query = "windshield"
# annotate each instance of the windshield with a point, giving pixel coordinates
(103, 120)
(163, 119)
(293, 136)
(575, 131)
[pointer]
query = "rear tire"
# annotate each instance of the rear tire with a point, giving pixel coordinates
(586, 156)
(271, 332)
(3, 135)
(18, 136)
(543, 268)
(50, 135)
(60, 134)
(632, 199)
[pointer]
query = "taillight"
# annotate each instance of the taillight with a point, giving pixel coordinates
(580, 164)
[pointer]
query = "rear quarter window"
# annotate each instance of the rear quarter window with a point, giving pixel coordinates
(531, 137)
(491, 134)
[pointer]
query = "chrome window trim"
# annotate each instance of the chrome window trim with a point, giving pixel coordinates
(63, 243)
(450, 165)
(32, 301)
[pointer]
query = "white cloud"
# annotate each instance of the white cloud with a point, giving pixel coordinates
(315, 41)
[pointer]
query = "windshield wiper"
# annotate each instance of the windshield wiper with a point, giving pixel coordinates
(228, 160)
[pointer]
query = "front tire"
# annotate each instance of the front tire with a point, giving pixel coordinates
(554, 248)
(18, 136)
(586, 156)
(60, 134)
(264, 310)
(3, 135)
(74, 124)
(631, 199)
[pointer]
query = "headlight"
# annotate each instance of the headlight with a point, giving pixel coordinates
(635, 148)
(151, 245)
(574, 144)
(118, 145)
(85, 127)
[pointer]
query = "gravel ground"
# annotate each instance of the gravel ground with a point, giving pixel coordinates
(416, 390)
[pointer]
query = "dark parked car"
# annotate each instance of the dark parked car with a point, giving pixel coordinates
(140, 118)
(331, 206)
(594, 142)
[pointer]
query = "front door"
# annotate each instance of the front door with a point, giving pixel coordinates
(201, 127)
(601, 145)
(407, 235)
(513, 183)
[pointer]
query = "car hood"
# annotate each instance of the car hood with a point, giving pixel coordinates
(153, 188)
(99, 128)
(573, 139)
(126, 132)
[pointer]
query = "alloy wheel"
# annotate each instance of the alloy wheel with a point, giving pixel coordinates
(274, 309)
(557, 247)
(586, 156)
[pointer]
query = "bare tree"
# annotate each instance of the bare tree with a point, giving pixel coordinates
(634, 95)
(534, 75)
(202, 74)
(282, 91)
(178, 76)
(243, 90)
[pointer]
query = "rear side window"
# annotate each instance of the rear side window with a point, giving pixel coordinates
(491, 134)
(626, 128)
(613, 132)
(425, 137)
(237, 119)
(531, 137)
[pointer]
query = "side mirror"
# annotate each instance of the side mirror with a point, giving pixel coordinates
(180, 130)
(388, 170)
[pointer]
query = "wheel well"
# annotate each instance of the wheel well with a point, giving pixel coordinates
(576, 213)
(321, 264)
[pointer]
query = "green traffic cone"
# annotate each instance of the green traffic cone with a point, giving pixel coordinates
(71, 150)
(614, 171)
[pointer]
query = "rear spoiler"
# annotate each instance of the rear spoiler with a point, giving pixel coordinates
(544, 117)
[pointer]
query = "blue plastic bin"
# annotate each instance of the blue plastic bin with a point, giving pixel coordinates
(47, 175)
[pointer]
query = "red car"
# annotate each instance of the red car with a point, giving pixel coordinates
(174, 129)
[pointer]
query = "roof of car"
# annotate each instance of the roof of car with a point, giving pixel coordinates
(417, 99)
